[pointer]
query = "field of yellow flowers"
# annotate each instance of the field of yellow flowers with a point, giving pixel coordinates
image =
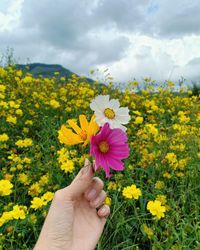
(154, 201)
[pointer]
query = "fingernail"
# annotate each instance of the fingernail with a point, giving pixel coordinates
(103, 210)
(96, 201)
(87, 162)
(91, 194)
(86, 166)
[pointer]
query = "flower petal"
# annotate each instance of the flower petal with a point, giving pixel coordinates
(116, 164)
(123, 119)
(99, 102)
(114, 104)
(117, 136)
(123, 111)
(104, 163)
(67, 137)
(83, 122)
(75, 127)
(123, 153)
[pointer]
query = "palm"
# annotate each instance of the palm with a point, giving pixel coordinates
(87, 225)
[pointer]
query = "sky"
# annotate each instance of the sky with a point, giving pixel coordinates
(133, 39)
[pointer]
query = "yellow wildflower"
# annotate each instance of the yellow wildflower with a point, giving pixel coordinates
(4, 137)
(44, 180)
(172, 160)
(156, 209)
(108, 201)
(159, 185)
(139, 120)
(19, 112)
(5, 187)
(83, 133)
(132, 191)
(161, 198)
(112, 185)
(33, 218)
(54, 104)
(11, 119)
(148, 231)
(37, 203)
(68, 166)
(23, 178)
(24, 143)
(8, 177)
(167, 175)
(28, 122)
(48, 196)
(18, 212)
(2, 88)
(179, 174)
(34, 189)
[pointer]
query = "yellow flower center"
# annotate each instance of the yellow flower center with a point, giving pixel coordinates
(103, 147)
(109, 113)
(83, 135)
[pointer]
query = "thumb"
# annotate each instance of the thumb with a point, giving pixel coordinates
(81, 182)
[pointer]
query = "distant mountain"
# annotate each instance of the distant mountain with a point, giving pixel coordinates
(47, 70)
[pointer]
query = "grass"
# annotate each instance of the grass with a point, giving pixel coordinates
(169, 122)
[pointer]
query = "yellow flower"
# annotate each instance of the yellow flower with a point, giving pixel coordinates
(25, 130)
(148, 231)
(2, 88)
(167, 175)
(83, 133)
(34, 189)
(19, 112)
(33, 218)
(37, 203)
(108, 201)
(139, 120)
(4, 137)
(156, 209)
(18, 212)
(132, 191)
(48, 196)
(63, 155)
(44, 180)
(54, 104)
(171, 157)
(112, 185)
(11, 119)
(68, 166)
(24, 143)
(23, 178)
(161, 198)
(5, 187)
(26, 160)
(8, 177)
(179, 174)
(172, 160)
(151, 129)
(159, 185)
(28, 122)
(182, 163)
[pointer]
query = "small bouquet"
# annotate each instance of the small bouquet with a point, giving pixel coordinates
(105, 133)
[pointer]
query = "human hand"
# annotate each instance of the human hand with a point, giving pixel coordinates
(73, 221)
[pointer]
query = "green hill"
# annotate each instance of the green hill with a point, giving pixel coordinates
(47, 70)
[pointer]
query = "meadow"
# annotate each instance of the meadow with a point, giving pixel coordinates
(154, 202)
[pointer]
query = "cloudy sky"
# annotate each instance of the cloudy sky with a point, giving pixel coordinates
(132, 38)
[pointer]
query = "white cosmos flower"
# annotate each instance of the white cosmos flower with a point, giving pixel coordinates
(109, 111)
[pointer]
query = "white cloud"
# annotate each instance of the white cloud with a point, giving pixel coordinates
(10, 14)
(132, 38)
(158, 58)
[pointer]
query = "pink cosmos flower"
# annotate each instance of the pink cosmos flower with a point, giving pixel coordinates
(109, 147)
